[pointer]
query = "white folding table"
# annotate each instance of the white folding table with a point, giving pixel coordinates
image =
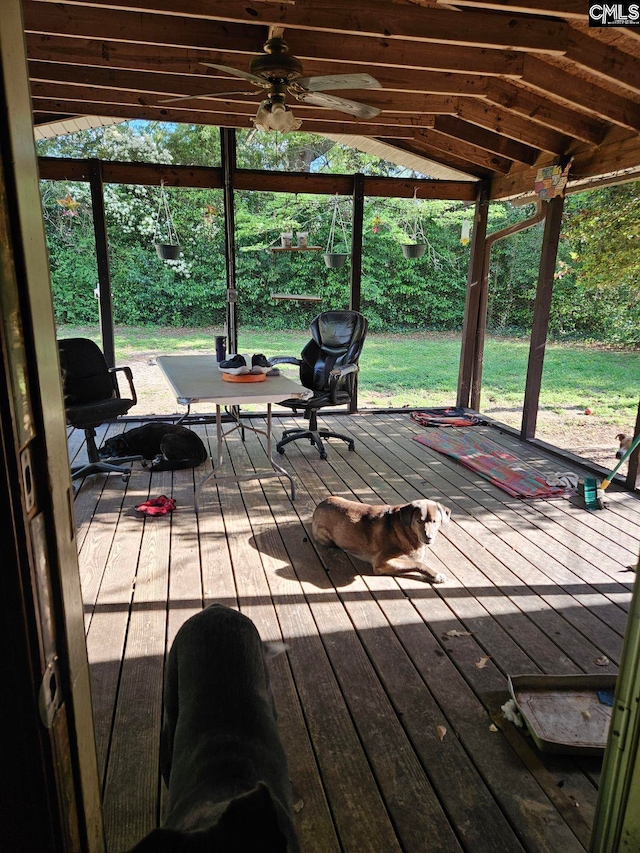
(197, 379)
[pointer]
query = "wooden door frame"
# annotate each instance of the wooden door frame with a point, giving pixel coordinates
(48, 747)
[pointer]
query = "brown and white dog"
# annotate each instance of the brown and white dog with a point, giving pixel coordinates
(394, 539)
(220, 751)
(625, 444)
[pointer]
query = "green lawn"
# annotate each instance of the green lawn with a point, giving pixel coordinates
(421, 369)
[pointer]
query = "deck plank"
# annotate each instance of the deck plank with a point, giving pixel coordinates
(539, 839)
(370, 670)
(359, 810)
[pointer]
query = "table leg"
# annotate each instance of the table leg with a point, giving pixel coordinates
(278, 470)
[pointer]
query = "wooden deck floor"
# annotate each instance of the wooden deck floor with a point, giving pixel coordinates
(371, 671)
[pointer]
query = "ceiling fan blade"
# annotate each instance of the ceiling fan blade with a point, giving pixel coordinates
(214, 95)
(338, 81)
(236, 72)
(320, 99)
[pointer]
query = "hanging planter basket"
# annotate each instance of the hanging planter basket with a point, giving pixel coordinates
(168, 251)
(165, 236)
(413, 250)
(332, 258)
(335, 259)
(416, 245)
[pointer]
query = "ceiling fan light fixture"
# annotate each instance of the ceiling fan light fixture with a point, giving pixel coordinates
(275, 116)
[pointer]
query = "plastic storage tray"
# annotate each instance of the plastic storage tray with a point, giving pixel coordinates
(564, 713)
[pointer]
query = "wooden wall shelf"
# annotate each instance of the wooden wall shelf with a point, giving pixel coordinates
(297, 249)
(295, 297)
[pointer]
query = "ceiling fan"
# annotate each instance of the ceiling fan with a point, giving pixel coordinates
(280, 73)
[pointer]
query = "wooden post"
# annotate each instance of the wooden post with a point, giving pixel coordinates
(478, 354)
(228, 152)
(355, 291)
(102, 259)
(541, 310)
(632, 470)
(472, 302)
(356, 242)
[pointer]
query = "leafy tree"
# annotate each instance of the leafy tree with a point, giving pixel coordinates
(596, 292)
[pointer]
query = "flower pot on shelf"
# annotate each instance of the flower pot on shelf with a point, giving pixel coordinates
(413, 250)
(168, 251)
(335, 259)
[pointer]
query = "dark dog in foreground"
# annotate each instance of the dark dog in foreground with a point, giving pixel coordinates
(169, 446)
(394, 539)
(220, 752)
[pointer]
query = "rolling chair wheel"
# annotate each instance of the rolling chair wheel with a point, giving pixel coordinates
(280, 450)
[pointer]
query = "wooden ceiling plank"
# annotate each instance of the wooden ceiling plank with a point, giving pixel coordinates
(95, 97)
(235, 45)
(219, 119)
(616, 155)
(591, 162)
(395, 111)
(538, 109)
(604, 61)
(493, 142)
(422, 149)
(406, 84)
(134, 28)
(569, 9)
(374, 18)
(512, 126)
(556, 83)
(464, 151)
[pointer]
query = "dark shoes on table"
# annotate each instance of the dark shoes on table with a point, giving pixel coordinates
(238, 364)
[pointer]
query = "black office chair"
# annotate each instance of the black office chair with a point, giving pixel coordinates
(92, 397)
(328, 367)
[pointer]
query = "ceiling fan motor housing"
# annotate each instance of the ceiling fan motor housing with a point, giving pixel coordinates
(277, 65)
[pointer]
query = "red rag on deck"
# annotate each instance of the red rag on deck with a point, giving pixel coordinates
(157, 506)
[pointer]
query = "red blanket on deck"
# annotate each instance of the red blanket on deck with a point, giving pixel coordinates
(491, 461)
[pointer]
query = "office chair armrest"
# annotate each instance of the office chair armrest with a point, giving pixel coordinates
(127, 372)
(345, 370)
(285, 359)
(339, 373)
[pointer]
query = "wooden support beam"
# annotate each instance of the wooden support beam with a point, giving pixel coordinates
(632, 471)
(144, 174)
(102, 260)
(478, 357)
(228, 151)
(472, 301)
(481, 112)
(541, 310)
(356, 242)
(356, 259)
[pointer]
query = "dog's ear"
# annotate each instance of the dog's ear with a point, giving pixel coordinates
(408, 511)
(445, 513)
(621, 436)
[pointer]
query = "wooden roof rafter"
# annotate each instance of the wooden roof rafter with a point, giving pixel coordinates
(490, 88)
